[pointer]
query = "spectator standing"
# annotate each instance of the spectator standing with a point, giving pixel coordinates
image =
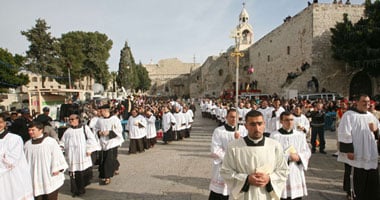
(317, 127)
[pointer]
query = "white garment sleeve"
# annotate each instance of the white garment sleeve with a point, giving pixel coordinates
(11, 155)
(217, 151)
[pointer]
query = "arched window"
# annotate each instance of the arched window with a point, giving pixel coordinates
(221, 72)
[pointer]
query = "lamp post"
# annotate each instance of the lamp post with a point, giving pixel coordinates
(237, 54)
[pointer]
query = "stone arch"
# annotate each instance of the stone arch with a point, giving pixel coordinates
(360, 84)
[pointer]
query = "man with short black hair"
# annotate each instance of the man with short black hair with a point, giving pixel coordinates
(46, 162)
(254, 167)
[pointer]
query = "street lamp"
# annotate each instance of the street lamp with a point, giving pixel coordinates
(237, 54)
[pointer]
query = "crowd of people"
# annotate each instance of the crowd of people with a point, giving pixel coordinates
(267, 158)
(36, 154)
(274, 132)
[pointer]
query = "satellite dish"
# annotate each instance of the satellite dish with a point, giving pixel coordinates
(98, 88)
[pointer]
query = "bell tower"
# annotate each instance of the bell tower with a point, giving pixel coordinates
(244, 30)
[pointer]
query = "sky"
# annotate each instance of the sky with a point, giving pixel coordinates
(154, 29)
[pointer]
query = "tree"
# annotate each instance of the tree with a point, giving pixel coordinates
(42, 56)
(86, 53)
(359, 44)
(143, 78)
(9, 67)
(127, 74)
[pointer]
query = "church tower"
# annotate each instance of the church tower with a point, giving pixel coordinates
(244, 30)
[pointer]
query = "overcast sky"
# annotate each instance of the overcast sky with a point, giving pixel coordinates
(154, 29)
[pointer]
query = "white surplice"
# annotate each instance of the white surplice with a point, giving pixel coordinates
(241, 160)
(111, 123)
(151, 131)
(167, 121)
(302, 121)
(76, 146)
(136, 127)
(274, 121)
(267, 114)
(296, 183)
(44, 159)
(353, 128)
(15, 179)
(220, 139)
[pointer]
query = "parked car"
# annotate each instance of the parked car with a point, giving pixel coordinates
(331, 96)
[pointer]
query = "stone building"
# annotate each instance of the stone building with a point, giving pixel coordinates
(170, 77)
(288, 58)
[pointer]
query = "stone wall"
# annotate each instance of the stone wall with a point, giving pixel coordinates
(304, 37)
(166, 70)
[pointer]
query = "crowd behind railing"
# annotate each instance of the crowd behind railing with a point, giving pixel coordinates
(88, 134)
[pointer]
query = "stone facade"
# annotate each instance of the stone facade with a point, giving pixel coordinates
(170, 77)
(303, 38)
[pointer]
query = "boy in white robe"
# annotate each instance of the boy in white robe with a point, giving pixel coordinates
(297, 152)
(46, 162)
(357, 134)
(254, 167)
(15, 179)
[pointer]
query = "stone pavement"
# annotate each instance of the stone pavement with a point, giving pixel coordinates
(182, 170)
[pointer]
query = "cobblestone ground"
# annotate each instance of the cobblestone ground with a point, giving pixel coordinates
(182, 169)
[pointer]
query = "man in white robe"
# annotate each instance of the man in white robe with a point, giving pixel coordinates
(301, 123)
(254, 167)
(188, 113)
(180, 125)
(46, 162)
(79, 142)
(136, 127)
(168, 121)
(266, 110)
(15, 179)
(221, 136)
(151, 132)
(275, 118)
(110, 135)
(297, 153)
(357, 134)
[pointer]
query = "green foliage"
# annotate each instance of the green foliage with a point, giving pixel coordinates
(132, 76)
(127, 63)
(9, 67)
(43, 54)
(86, 53)
(143, 77)
(359, 44)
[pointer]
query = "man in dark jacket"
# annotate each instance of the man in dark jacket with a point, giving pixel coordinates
(317, 127)
(20, 125)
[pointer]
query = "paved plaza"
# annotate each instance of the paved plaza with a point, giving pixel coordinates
(182, 171)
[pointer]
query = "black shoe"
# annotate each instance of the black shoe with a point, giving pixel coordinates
(322, 152)
(313, 151)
